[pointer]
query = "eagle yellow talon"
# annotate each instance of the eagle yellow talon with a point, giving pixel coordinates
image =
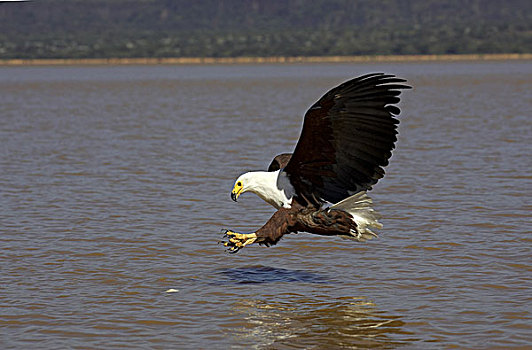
(237, 241)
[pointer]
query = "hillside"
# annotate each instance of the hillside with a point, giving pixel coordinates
(209, 28)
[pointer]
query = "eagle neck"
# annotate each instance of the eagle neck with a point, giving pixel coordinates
(274, 187)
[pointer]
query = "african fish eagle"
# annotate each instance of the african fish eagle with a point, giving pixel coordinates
(346, 141)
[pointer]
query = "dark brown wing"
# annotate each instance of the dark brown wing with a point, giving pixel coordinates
(347, 138)
(280, 161)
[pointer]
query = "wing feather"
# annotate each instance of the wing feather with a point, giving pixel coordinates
(347, 138)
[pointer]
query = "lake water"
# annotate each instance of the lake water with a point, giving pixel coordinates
(115, 183)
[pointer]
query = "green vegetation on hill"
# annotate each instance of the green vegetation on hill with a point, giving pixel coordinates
(230, 28)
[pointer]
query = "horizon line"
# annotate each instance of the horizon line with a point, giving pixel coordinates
(262, 59)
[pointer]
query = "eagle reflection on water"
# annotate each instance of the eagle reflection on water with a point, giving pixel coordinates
(313, 322)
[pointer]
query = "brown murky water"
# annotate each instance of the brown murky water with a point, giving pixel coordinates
(115, 183)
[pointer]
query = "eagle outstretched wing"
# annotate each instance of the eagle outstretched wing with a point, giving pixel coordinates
(347, 138)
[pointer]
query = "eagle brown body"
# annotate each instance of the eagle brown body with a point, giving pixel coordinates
(347, 138)
(318, 221)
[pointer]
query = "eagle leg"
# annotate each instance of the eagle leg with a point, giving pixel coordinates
(282, 222)
(237, 241)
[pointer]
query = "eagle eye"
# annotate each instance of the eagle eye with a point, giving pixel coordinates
(239, 183)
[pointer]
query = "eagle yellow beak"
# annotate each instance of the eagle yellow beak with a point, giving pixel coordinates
(237, 190)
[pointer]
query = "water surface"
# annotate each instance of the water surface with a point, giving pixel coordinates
(115, 183)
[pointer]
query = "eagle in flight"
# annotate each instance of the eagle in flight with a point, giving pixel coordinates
(347, 139)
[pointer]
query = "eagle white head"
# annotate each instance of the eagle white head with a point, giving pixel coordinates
(273, 187)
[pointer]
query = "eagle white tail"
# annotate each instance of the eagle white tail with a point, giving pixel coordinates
(360, 207)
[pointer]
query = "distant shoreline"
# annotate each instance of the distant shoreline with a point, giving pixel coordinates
(261, 60)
